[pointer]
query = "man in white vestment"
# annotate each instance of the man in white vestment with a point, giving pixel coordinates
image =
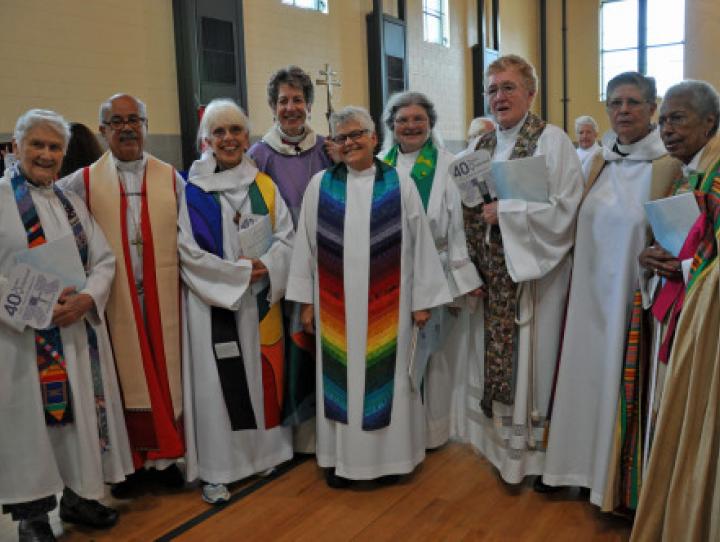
(522, 250)
(611, 234)
(133, 197)
(366, 268)
(586, 131)
(233, 361)
(61, 422)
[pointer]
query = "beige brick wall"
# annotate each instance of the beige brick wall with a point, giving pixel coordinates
(70, 55)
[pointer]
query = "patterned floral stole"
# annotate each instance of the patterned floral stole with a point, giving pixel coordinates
(206, 221)
(423, 170)
(489, 258)
(54, 384)
(383, 294)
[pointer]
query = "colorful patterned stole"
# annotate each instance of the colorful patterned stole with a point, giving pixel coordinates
(51, 364)
(423, 171)
(206, 219)
(489, 258)
(383, 294)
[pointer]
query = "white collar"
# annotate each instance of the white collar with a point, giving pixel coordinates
(274, 139)
(202, 174)
(510, 133)
(362, 173)
(647, 149)
(133, 166)
(693, 165)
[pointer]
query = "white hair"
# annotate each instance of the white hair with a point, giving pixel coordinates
(479, 126)
(349, 114)
(221, 111)
(41, 117)
(586, 119)
(106, 106)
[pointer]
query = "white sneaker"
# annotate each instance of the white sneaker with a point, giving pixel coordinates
(215, 493)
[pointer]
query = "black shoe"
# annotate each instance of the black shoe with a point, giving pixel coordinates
(133, 486)
(541, 487)
(334, 481)
(170, 477)
(87, 512)
(388, 480)
(35, 530)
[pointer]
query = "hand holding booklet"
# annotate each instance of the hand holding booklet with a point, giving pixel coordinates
(470, 173)
(255, 235)
(524, 179)
(671, 220)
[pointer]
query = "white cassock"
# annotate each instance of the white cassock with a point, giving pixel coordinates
(399, 447)
(537, 238)
(216, 453)
(611, 233)
(444, 212)
(37, 460)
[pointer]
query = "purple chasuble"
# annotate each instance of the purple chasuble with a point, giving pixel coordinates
(291, 172)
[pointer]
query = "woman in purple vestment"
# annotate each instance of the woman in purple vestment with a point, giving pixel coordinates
(291, 153)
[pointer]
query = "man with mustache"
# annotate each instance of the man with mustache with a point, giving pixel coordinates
(133, 197)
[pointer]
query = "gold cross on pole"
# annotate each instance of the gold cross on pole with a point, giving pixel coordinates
(328, 81)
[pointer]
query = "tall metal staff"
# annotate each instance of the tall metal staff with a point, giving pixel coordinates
(328, 81)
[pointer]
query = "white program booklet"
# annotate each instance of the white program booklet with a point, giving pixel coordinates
(671, 220)
(255, 233)
(524, 179)
(59, 257)
(30, 295)
(470, 173)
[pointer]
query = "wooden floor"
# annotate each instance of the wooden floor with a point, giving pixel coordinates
(454, 495)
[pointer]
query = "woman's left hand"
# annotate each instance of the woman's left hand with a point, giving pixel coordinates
(71, 307)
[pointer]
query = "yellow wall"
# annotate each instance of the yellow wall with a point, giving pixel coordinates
(277, 35)
(70, 55)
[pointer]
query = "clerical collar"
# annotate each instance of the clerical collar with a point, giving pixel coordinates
(132, 166)
(692, 166)
(280, 142)
(648, 148)
(511, 133)
(203, 174)
(364, 172)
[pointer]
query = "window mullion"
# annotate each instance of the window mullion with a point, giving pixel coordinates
(642, 36)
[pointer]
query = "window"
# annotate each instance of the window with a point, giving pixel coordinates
(317, 5)
(436, 27)
(642, 35)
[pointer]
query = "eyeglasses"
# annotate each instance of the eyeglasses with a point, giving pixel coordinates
(133, 121)
(506, 88)
(405, 121)
(630, 103)
(675, 120)
(221, 131)
(353, 136)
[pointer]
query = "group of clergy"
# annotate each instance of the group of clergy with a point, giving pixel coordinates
(305, 295)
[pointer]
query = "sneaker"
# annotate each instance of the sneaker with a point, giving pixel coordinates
(215, 493)
(266, 473)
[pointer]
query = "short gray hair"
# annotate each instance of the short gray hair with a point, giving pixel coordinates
(106, 106)
(586, 119)
(41, 117)
(702, 98)
(645, 84)
(351, 113)
(221, 111)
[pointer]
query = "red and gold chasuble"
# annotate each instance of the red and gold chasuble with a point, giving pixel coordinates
(147, 351)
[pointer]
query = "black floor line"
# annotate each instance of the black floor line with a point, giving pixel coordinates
(249, 490)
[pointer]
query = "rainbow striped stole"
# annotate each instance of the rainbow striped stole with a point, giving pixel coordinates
(50, 358)
(383, 294)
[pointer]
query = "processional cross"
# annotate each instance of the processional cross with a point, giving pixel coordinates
(328, 81)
